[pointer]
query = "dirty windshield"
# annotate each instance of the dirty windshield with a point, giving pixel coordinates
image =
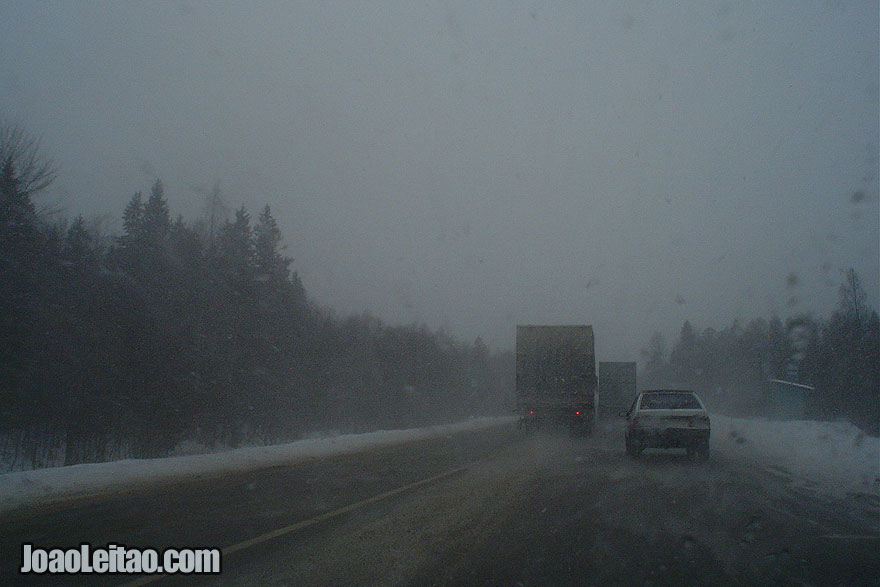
(340, 292)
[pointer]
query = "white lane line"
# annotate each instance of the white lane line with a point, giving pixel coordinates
(343, 510)
(312, 521)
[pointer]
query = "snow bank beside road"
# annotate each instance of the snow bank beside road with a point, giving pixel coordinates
(835, 456)
(28, 487)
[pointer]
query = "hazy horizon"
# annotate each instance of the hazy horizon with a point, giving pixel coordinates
(623, 165)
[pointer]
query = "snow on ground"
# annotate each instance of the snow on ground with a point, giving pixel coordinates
(835, 457)
(43, 485)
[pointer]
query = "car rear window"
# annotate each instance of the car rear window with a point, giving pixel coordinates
(670, 401)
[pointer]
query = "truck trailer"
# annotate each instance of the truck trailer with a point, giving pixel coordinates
(556, 377)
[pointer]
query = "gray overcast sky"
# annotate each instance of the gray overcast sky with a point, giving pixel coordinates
(477, 165)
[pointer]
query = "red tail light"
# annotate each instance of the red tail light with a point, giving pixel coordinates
(531, 411)
(577, 413)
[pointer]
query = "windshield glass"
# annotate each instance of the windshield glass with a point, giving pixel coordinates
(445, 292)
(670, 401)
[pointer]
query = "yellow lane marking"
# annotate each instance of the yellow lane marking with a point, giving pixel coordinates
(312, 521)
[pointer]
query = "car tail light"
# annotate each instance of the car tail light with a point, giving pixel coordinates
(531, 411)
(577, 413)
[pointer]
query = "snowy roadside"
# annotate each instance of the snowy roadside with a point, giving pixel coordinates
(834, 457)
(30, 487)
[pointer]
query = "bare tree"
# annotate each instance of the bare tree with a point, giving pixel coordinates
(852, 298)
(22, 162)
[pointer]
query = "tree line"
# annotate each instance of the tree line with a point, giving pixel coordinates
(839, 357)
(195, 331)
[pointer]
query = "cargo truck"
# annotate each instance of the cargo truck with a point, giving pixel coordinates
(556, 377)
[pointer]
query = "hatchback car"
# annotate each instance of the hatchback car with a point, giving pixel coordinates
(668, 418)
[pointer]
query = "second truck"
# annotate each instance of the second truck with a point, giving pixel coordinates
(556, 377)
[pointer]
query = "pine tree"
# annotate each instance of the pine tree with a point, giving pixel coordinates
(156, 217)
(186, 247)
(236, 247)
(133, 222)
(270, 264)
(215, 212)
(79, 243)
